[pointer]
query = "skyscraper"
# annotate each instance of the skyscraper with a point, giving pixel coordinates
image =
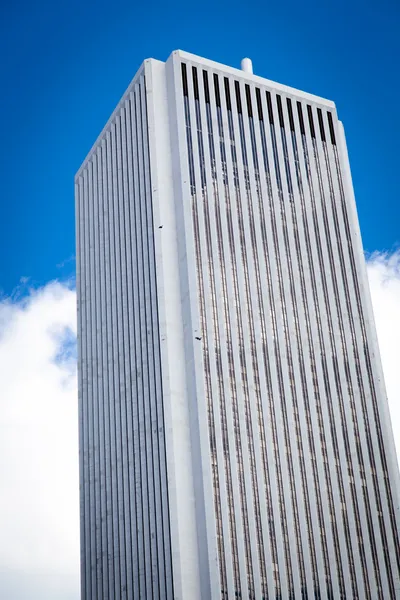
(235, 439)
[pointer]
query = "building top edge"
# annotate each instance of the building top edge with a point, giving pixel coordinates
(137, 76)
(253, 78)
(236, 72)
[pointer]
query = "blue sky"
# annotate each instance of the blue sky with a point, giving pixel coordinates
(65, 65)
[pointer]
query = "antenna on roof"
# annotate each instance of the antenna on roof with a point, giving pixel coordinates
(247, 65)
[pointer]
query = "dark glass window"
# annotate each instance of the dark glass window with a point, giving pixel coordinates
(311, 120)
(248, 101)
(301, 120)
(290, 113)
(321, 124)
(206, 88)
(280, 111)
(269, 105)
(184, 80)
(331, 129)
(238, 98)
(216, 90)
(195, 83)
(259, 105)
(227, 94)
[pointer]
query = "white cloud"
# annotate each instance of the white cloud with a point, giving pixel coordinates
(384, 282)
(39, 549)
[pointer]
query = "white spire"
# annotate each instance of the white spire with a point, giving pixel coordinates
(247, 65)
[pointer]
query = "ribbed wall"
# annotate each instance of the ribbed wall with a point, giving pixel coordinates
(302, 500)
(125, 537)
(279, 456)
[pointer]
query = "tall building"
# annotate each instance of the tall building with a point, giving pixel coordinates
(235, 439)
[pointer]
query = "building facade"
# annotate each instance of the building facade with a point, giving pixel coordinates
(235, 438)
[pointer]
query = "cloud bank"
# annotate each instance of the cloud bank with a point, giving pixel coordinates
(39, 549)
(384, 283)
